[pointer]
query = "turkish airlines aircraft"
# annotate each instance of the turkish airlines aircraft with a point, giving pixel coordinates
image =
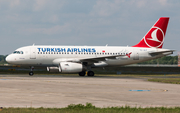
(79, 59)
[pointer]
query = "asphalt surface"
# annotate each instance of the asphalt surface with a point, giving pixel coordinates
(104, 91)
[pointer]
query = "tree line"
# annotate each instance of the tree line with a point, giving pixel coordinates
(170, 60)
(2, 59)
(163, 60)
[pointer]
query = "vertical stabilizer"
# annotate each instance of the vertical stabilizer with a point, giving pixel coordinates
(155, 36)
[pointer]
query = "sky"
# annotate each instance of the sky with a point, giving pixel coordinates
(84, 22)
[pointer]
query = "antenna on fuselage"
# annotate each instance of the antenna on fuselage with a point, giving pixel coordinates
(33, 44)
(106, 44)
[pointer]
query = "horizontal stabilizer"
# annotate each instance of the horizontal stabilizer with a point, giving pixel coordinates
(161, 52)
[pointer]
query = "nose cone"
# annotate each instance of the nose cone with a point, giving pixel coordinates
(9, 59)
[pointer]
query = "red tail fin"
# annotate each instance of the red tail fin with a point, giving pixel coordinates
(155, 36)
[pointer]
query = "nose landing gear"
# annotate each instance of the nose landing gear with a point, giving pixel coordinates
(31, 73)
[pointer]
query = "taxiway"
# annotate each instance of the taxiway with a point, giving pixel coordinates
(60, 91)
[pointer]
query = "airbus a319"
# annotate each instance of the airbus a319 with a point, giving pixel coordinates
(79, 59)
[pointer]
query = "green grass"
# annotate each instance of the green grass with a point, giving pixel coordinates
(89, 108)
(166, 80)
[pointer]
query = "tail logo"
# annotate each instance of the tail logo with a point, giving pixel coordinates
(155, 37)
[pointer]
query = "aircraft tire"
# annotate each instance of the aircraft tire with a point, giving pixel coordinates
(82, 73)
(90, 73)
(31, 73)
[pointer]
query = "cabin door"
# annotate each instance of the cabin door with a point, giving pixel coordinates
(136, 55)
(33, 53)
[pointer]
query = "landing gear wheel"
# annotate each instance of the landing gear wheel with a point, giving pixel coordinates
(31, 73)
(90, 73)
(82, 73)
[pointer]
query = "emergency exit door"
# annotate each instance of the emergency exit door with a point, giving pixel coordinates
(33, 53)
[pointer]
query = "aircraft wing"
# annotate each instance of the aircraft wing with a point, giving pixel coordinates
(97, 59)
(89, 59)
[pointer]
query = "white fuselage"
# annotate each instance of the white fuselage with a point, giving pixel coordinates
(53, 55)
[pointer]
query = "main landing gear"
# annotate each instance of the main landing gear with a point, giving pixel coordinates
(31, 73)
(90, 73)
(83, 73)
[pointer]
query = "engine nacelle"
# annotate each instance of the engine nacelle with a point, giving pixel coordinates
(70, 67)
(67, 67)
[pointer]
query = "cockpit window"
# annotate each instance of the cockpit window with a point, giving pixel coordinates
(18, 52)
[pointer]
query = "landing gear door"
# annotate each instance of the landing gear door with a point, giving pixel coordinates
(136, 55)
(33, 53)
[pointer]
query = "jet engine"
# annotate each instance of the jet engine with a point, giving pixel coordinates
(67, 67)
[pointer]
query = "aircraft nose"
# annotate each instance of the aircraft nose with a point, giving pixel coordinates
(9, 59)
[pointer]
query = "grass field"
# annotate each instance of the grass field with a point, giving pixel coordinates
(89, 108)
(166, 80)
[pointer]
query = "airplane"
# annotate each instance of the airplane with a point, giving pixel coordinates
(79, 59)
